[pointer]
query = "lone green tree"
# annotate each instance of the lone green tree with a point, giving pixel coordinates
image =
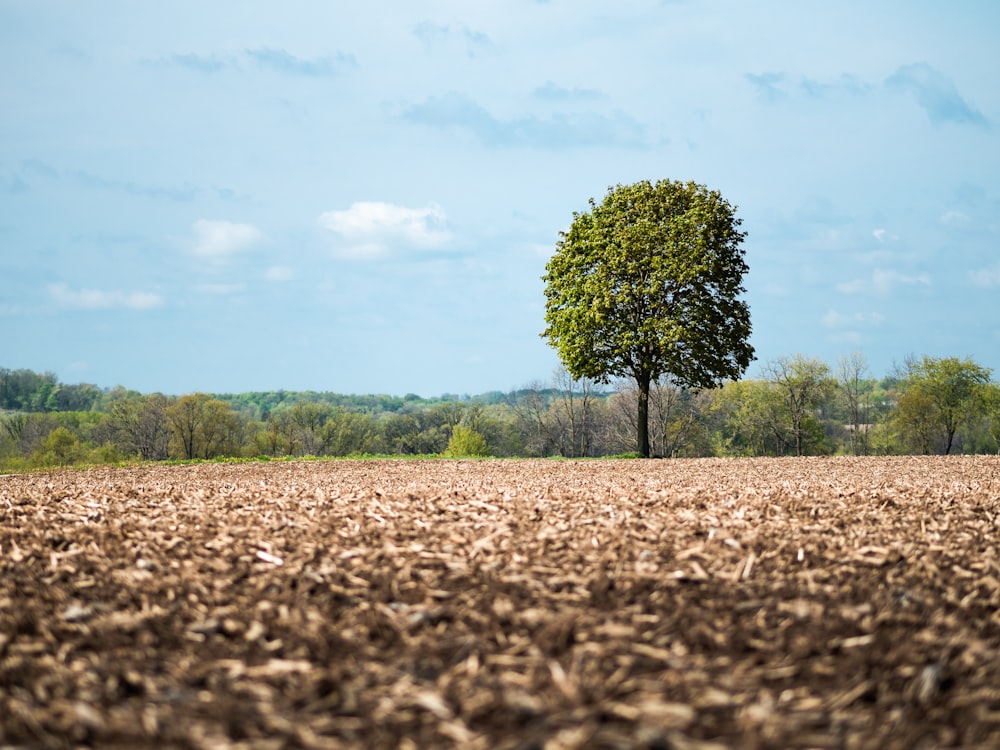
(648, 283)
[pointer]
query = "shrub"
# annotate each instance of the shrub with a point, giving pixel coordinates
(466, 442)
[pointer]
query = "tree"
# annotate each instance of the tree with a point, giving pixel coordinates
(139, 425)
(751, 420)
(804, 384)
(530, 407)
(465, 441)
(857, 395)
(991, 401)
(573, 413)
(60, 448)
(204, 427)
(648, 283)
(676, 418)
(950, 390)
(346, 432)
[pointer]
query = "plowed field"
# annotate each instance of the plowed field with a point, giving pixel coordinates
(751, 603)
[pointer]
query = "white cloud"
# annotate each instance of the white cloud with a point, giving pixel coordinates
(854, 286)
(220, 289)
(954, 217)
(986, 277)
(883, 281)
(373, 229)
(97, 299)
(837, 319)
(279, 273)
(882, 235)
(218, 240)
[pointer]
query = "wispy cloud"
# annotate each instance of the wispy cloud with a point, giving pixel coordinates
(936, 94)
(180, 194)
(30, 170)
(562, 130)
(371, 229)
(220, 290)
(954, 218)
(768, 85)
(851, 327)
(275, 60)
(199, 63)
(774, 85)
(987, 278)
(552, 92)
(883, 235)
(277, 274)
(882, 281)
(280, 61)
(836, 319)
(217, 241)
(846, 83)
(98, 299)
(433, 35)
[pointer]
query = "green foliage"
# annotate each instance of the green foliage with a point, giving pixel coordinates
(203, 427)
(138, 426)
(60, 448)
(465, 441)
(941, 396)
(796, 408)
(647, 283)
(749, 420)
(804, 385)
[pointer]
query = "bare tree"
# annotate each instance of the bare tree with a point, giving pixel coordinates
(573, 413)
(530, 406)
(851, 380)
(674, 414)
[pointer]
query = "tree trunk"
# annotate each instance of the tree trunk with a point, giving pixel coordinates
(642, 381)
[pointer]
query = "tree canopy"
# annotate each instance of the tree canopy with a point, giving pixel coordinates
(648, 283)
(942, 394)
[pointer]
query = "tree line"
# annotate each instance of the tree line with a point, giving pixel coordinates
(799, 406)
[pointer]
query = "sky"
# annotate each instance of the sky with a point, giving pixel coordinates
(362, 197)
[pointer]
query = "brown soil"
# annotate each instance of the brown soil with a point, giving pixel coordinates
(504, 604)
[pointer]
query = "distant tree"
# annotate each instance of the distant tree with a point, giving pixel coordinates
(26, 390)
(750, 420)
(307, 419)
(647, 283)
(203, 427)
(857, 396)
(28, 431)
(803, 384)
(676, 414)
(991, 402)
(345, 433)
(465, 441)
(60, 448)
(139, 426)
(918, 427)
(940, 394)
(573, 413)
(270, 438)
(530, 407)
(80, 397)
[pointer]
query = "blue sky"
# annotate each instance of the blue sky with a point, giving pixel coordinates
(235, 196)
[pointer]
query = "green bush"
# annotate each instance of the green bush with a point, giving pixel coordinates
(466, 442)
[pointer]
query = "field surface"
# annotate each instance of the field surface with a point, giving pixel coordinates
(689, 604)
